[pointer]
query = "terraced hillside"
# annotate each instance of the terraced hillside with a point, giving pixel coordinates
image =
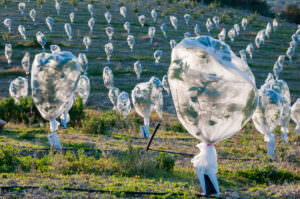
(123, 59)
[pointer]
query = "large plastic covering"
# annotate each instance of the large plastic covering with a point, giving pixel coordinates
(295, 115)
(50, 23)
(151, 33)
(138, 69)
(216, 20)
(54, 48)
(57, 7)
(7, 22)
(41, 39)
(267, 116)
(108, 77)
(87, 42)
(83, 88)
(222, 35)
(72, 17)
(163, 28)
(83, 61)
(22, 32)
(146, 97)
(18, 88)
(32, 15)
(123, 11)
(26, 63)
(187, 18)
(157, 56)
(22, 7)
(165, 83)
(142, 20)
(131, 42)
(8, 53)
(154, 15)
(68, 30)
(123, 104)
(113, 95)
(109, 49)
(250, 50)
(91, 9)
(244, 23)
(109, 32)
(91, 24)
(108, 16)
(174, 22)
(54, 78)
(214, 95)
(127, 27)
(209, 25)
(173, 43)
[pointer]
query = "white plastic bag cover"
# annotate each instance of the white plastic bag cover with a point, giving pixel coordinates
(26, 63)
(18, 88)
(108, 77)
(113, 95)
(83, 88)
(123, 104)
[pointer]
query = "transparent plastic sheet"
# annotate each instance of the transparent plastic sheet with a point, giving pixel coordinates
(68, 30)
(154, 15)
(216, 21)
(113, 95)
(109, 32)
(131, 42)
(142, 20)
(151, 33)
(163, 28)
(108, 77)
(41, 39)
(21, 7)
(209, 25)
(26, 63)
(91, 24)
(290, 53)
(8, 53)
(231, 34)
(214, 94)
(50, 23)
(87, 42)
(237, 29)
(187, 18)
(174, 22)
(108, 48)
(157, 55)
(72, 17)
(127, 27)
(165, 84)
(83, 61)
(83, 88)
(250, 50)
(244, 23)
(55, 49)
(32, 15)
(22, 32)
(18, 88)
(54, 78)
(91, 9)
(295, 115)
(123, 11)
(222, 35)
(123, 104)
(267, 116)
(275, 25)
(108, 16)
(57, 7)
(146, 97)
(138, 69)
(7, 22)
(173, 43)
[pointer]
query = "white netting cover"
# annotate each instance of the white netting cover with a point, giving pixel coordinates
(213, 90)
(26, 62)
(54, 78)
(108, 77)
(113, 95)
(295, 115)
(83, 88)
(18, 88)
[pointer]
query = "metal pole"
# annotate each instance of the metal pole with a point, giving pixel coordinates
(152, 136)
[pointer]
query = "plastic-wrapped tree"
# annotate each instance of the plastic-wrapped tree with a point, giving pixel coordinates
(83, 88)
(113, 95)
(165, 84)
(268, 30)
(231, 34)
(275, 25)
(138, 69)
(32, 15)
(243, 55)
(91, 9)
(237, 29)
(216, 20)
(72, 17)
(262, 35)
(91, 24)
(7, 22)
(295, 115)
(244, 23)
(54, 79)
(83, 61)
(197, 30)
(8, 53)
(109, 32)
(146, 97)
(163, 28)
(57, 7)
(50, 23)
(123, 11)
(222, 35)
(123, 104)
(41, 39)
(127, 27)
(278, 66)
(151, 33)
(157, 56)
(68, 30)
(22, 7)
(55, 48)
(131, 42)
(142, 20)
(173, 43)
(267, 116)
(209, 25)
(257, 41)
(26, 63)
(174, 22)
(22, 32)
(18, 88)
(187, 18)
(250, 50)
(107, 16)
(108, 77)
(109, 49)
(214, 95)
(87, 42)
(290, 53)
(154, 15)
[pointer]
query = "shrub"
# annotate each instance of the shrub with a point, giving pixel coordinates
(165, 162)
(292, 13)
(77, 112)
(175, 126)
(9, 160)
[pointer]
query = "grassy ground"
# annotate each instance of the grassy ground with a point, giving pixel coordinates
(120, 165)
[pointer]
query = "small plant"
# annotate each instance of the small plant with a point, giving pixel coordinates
(107, 6)
(8, 158)
(252, 18)
(165, 162)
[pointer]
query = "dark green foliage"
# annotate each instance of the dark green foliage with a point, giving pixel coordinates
(77, 112)
(175, 126)
(8, 158)
(165, 162)
(292, 13)
(268, 175)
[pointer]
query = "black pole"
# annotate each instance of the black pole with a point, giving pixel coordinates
(152, 136)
